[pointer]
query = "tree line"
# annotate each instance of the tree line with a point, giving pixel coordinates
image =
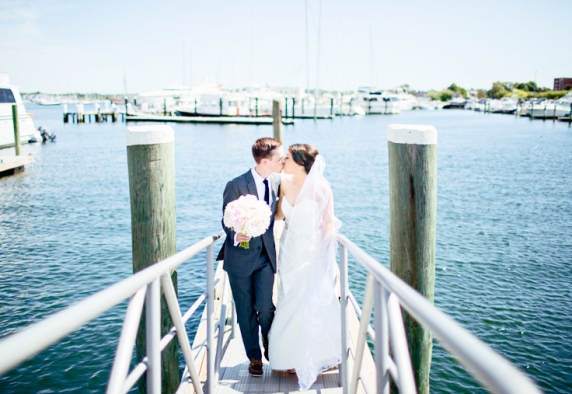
(522, 90)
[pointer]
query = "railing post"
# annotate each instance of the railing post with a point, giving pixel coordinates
(151, 165)
(153, 337)
(381, 338)
(344, 370)
(16, 122)
(362, 335)
(277, 119)
(211, 384)
(412, 153)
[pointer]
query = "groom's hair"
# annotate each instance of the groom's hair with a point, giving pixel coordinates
(263, 147)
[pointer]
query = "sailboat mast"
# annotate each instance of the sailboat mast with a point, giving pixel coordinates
(370, 59)
(318, 62)
(307, 52)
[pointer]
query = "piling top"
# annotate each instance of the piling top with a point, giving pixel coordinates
(412, 134)
(149, 135)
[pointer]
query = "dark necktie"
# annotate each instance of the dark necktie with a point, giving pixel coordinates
(266, 192)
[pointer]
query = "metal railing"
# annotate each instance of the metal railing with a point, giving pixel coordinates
(387, 294)
(384, 292)
(143, 287)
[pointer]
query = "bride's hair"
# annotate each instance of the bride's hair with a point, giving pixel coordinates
(304, 155)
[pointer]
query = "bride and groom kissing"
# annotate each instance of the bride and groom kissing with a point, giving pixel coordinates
(302, 334)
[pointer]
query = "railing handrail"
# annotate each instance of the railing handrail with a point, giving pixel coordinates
(38, 336)
(487, 366)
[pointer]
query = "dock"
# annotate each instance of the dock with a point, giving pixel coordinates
(9, 165)
(233, 376)
(206, 119)
(98, 116)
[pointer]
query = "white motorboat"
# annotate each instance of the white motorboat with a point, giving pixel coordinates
(10, 95)
(377, 102)
(551, 109)
(508, 105)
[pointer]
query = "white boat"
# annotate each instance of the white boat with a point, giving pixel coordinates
(508, 105)
(406, 101)
(377, 102)
(10, 95)
(47, 102)
(551, 109)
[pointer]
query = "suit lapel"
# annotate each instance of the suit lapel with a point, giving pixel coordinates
(250, 184)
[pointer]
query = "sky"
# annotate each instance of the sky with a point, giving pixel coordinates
(131, 47)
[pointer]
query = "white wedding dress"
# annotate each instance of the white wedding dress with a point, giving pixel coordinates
(306, 330)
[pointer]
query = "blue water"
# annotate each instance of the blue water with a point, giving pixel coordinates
(504, 232)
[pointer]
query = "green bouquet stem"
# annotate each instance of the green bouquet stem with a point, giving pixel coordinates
(244, 245)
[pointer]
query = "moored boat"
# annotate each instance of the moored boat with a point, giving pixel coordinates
(10, 95)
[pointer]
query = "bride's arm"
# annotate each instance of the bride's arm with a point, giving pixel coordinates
(279, 215)
(328, 218)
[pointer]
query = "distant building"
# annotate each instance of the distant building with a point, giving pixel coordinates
(562, 83)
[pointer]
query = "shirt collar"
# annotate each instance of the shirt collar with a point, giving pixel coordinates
(257, 177)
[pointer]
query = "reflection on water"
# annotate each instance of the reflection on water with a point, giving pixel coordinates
(504, 232)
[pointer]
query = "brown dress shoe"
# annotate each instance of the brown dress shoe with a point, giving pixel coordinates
(255, 368)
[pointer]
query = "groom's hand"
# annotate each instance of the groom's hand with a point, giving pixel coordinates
(242, 237)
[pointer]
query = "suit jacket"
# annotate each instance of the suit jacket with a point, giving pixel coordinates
(239, 261)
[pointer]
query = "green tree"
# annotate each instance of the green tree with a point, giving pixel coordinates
(498, 91)
(482, 93)
(445, 95)
(457, 89)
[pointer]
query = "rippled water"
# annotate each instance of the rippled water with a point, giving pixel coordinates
(504, 232)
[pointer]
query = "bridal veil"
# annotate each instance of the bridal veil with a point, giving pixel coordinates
(313, 227)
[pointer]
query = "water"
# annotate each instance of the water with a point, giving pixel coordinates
(504, 232)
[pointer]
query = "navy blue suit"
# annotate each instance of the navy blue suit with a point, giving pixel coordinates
(251, 271)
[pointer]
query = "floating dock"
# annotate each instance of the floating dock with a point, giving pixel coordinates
(206, 119)
(12, 164)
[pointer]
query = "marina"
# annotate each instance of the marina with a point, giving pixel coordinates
(476, 280)
(428, 245)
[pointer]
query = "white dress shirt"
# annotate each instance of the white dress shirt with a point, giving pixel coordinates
(260, 186)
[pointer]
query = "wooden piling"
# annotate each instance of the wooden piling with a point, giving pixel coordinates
(151, 168)
(413, 209)
(293, 106)
(277, 119)
(257, 107)
(286, 107)
(16, 122)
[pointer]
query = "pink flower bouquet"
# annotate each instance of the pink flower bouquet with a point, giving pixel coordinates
(247, 215)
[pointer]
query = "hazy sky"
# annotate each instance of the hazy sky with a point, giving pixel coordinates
(88, 46)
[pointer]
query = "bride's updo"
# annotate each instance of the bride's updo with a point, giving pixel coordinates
(304, 155)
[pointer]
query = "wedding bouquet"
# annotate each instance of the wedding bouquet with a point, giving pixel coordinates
(247, 215)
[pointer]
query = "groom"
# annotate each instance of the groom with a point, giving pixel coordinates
(251, 271)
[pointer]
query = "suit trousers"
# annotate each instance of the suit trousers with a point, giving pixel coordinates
(254, 307)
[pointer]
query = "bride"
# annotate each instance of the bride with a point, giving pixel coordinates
(305, 336)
